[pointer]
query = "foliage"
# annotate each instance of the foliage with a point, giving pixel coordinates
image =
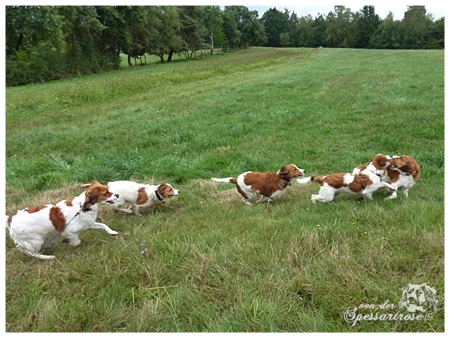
(275, 24)
(367, 23)
(45, 43)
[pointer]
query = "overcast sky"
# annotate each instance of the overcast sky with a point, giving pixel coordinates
(382, 8)
(435, 8)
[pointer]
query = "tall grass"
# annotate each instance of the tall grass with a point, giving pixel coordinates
(204, 261)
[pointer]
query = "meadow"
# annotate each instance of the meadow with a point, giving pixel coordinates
(204, 261)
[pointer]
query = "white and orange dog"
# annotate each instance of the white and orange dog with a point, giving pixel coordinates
(140, 195)
(364, 183)
(268, 186)
(30, 227)
(402, 172)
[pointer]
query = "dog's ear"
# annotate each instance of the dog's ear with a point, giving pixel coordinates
(91, 196)
(87, 185)
(162, 186)
(283, 171)
(92, 193)
(405, 168)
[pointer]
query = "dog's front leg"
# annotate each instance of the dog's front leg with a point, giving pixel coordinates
(392, 189)
(97, 225)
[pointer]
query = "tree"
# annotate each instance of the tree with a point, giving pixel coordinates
(387, 34)
(415, 26)
(212, 20)
(249, 26)
(169, 40)
(192, 31)
(317, 37)
(366, 25)
(437, 34)
(137, 34)
(275, 23)
(293, 23)
(83, 36)
(303, 31)
(115, 37)
(285, 40)
(28, 27)
(339, 27)
(230, 30)
(35, 46)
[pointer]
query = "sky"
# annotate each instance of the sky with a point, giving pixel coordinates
(313, 7)
(382, 8)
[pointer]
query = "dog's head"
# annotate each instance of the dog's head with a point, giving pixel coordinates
(289, 171)
(97, 193)
(166, 190)
(406, 164)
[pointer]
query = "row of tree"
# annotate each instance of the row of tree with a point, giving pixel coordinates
(46, 43)
(363, 29)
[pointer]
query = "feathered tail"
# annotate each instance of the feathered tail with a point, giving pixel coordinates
(225, 180)
(305, 180)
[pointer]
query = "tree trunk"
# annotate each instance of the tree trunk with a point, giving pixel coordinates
(129, 60)
(19, 42)
(169, 57)
(211, 38)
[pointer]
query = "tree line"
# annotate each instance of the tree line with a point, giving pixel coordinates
(45, 43)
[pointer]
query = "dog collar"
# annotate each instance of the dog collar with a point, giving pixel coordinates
(158, 196)
(84, 209)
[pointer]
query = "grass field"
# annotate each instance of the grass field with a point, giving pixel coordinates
(209, 262)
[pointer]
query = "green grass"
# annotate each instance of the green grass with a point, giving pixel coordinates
(212, 263)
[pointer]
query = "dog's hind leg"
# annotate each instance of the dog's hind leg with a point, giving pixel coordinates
(246, 198)
(135, 210)
(127, 210)
(71, 238)
(325, 195)
(34, 254)
(264, 199)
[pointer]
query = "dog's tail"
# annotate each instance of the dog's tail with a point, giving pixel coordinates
(225, 180)
(306, 180)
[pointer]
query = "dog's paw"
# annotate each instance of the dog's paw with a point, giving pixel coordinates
(113, 233)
